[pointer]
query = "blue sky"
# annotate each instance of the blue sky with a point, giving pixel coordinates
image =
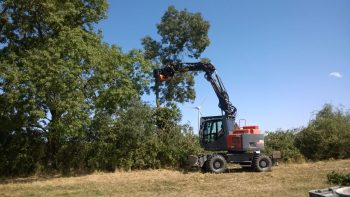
(279, 60)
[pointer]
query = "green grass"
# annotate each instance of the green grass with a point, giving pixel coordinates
(284, 180)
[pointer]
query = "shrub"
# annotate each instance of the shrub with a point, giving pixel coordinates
(283, 141)
(327, 136)
(142, 137)
(72, 156)
(339, 178)
(20, 153)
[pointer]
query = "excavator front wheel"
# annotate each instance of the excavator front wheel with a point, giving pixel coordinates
(216, 164)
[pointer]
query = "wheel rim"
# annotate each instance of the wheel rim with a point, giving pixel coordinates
(263, 164)
(217, 164)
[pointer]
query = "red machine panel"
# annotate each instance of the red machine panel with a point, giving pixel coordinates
(234, 139)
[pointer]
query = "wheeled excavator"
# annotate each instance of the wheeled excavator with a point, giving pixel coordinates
(227, 141)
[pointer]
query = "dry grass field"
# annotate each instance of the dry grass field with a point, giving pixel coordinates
(284, 180)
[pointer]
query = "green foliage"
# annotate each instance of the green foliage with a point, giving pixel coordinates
(21, 153)
(134, 141)
(283, 141)
(166, 118)
(133, 138)
(327, 136)
(57, 80)
(29, 23)
(339, 178)
(182, 34)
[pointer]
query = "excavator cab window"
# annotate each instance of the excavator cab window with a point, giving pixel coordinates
(213, 129)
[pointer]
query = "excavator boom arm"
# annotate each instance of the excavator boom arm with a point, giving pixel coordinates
(224, 102)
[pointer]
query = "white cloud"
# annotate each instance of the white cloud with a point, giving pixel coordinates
(335, 74)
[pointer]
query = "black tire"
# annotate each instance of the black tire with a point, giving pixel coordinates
(262, 163)
(217, 164)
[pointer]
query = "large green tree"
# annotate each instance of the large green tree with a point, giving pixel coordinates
(70, 102)
(57, 76)
(183, 35)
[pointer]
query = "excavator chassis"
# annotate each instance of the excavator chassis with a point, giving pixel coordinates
(217, 162)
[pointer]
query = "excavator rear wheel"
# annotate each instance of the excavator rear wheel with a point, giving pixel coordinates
(261, 163)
